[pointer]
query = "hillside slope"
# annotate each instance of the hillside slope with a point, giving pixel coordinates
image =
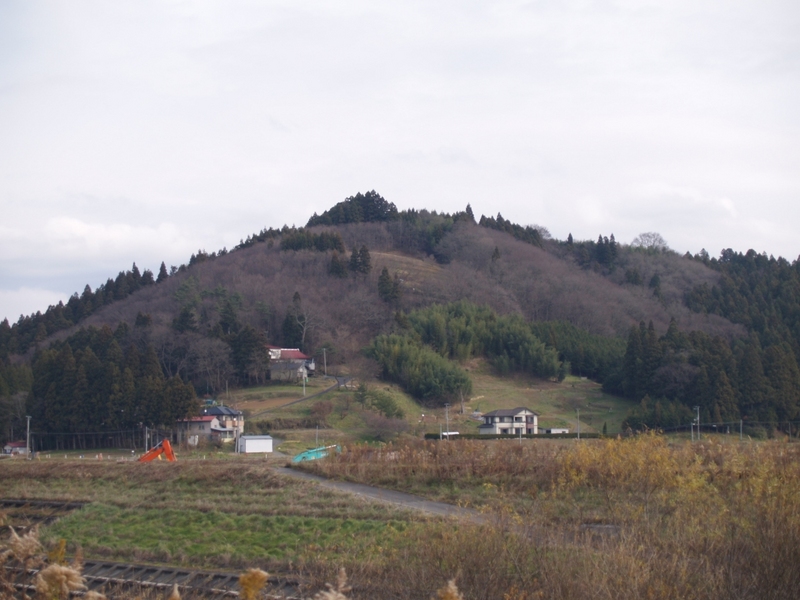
(346, 312)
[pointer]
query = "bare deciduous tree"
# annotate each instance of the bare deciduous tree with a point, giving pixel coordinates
(650, 240)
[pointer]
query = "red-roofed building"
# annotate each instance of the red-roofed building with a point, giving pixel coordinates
(15, 448)
(289, 363)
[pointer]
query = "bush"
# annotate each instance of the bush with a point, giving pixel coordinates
(383, 428)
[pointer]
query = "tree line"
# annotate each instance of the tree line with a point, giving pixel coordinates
(34, 329)
(728, 380)
(527, 234)
(100, 380)
(462, 330)
(597, 357)
(423, 355)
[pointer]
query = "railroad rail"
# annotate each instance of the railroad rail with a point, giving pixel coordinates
(23, 514)
(109, 577)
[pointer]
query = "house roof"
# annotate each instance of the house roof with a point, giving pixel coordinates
(16, 445)
(293, 355)
(509, 412)
(225, 411)
(197, 419)
(288, 353)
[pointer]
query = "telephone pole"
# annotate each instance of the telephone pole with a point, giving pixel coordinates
(28, 439)
(697, 408)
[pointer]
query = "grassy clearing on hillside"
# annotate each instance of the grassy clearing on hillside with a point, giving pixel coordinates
(555, 402)
(349, 421)
(346, 421)
(275, 395)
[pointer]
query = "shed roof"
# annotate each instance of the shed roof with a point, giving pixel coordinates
(226, 411)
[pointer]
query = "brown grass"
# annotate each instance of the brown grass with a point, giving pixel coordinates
(636, 518)
(612, 519)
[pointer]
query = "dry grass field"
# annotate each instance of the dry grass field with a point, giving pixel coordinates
(643, 517)
(620, 518)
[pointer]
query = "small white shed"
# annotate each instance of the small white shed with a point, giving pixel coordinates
(249, 444)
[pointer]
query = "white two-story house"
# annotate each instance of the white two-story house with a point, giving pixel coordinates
(510, 421)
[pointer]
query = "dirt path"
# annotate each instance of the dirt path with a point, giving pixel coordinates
(440, 509)
(314, 395)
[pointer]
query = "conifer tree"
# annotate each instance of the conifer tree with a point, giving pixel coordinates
(162, 273)
(470, 214)
(364, 261)
(337, 266)
(354, 264)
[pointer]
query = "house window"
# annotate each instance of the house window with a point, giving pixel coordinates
(504, 430)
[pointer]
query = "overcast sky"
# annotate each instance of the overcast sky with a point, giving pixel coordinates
(142, 131)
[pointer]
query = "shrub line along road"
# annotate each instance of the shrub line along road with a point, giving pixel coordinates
(440, 509)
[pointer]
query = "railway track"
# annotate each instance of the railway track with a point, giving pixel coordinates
(110, 578)
(104, 576)
(22, 514)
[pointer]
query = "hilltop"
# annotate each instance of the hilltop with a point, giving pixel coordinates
(358, 270)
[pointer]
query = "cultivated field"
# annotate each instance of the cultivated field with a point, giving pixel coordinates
(621, 518)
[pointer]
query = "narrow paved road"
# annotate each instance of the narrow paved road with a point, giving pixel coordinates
(410, 501)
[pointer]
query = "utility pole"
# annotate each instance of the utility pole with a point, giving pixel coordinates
(325, 360)
(579, 422)
(447, 419)
(697, 408)
(28, 440)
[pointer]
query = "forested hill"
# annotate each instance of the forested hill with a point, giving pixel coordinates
(680, 322)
